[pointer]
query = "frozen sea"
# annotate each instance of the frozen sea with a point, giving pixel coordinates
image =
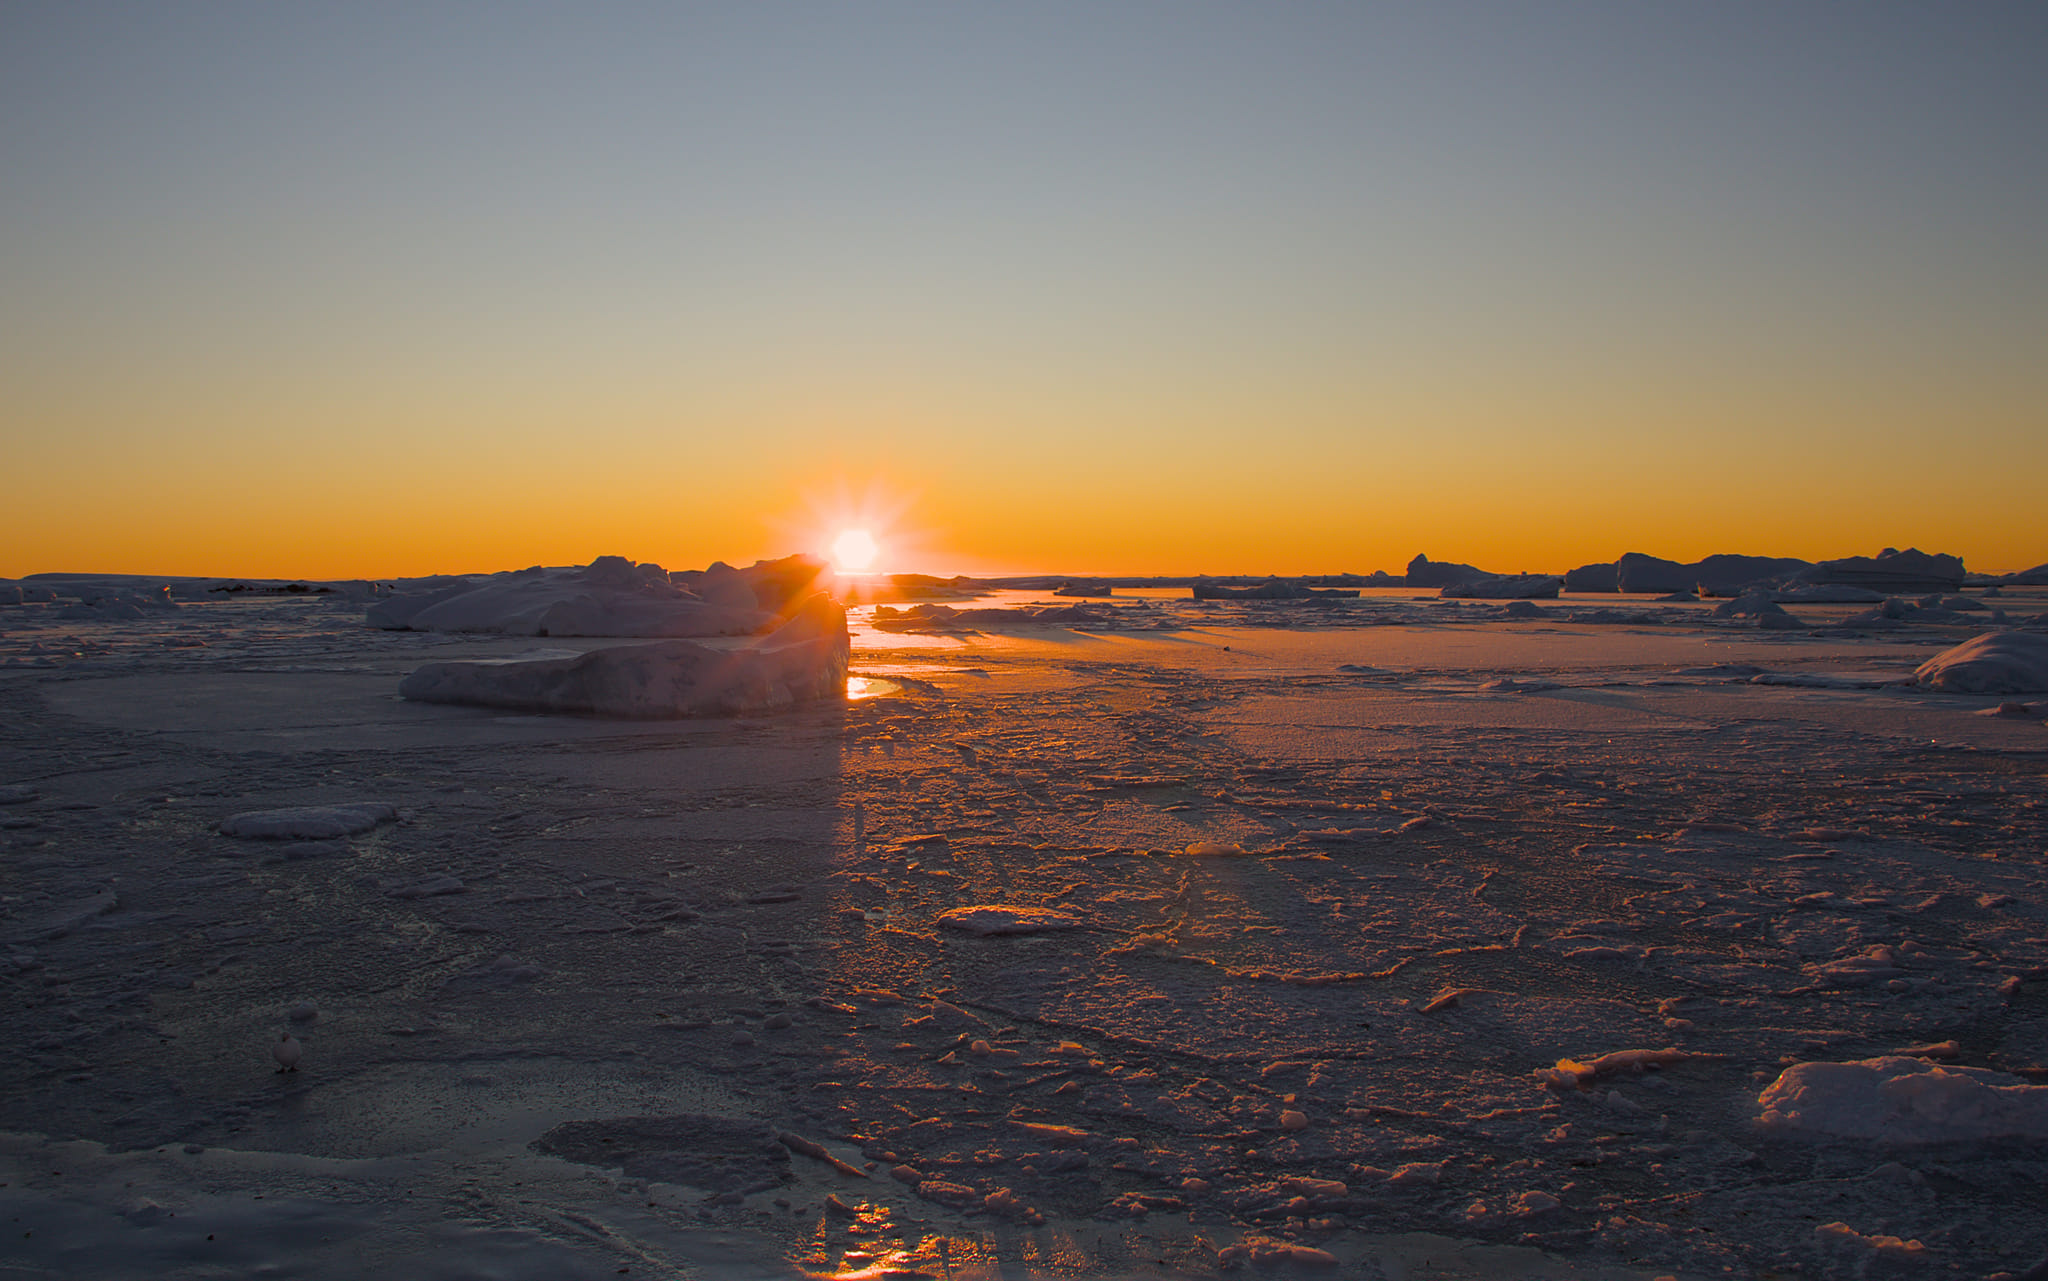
(1175, 940)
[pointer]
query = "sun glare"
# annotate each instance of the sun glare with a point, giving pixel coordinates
(854, 550)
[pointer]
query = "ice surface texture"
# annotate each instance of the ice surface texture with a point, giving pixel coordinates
(803, 660)
(1904, 1100)
(1994, 663)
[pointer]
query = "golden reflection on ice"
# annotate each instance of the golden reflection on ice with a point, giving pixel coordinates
(865, 687)
(933, 1256)
(968, 1256)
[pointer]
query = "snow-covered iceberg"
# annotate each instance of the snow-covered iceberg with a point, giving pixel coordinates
(802, 660)
(611, 596)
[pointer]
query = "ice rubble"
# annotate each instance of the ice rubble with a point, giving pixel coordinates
(802, 660)
(1903, 1100)
(611, 596)
(1994, 663)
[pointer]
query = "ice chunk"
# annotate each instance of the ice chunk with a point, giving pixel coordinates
(998, 919)
(1571, 1072)
(1895, 1099)
(1994, 663)
(307, 822)
(1881, 1243)
(803, 660)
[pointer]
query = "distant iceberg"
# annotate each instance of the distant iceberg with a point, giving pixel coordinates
(1911, 570)
(1506, 587)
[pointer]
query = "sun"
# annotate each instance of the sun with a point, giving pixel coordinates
(854, 551)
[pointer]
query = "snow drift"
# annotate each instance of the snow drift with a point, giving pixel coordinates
(1994, 663)
(803, 660)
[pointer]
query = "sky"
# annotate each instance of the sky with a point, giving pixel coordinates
(380, 289)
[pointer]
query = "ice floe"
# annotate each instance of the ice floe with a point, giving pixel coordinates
(1903, 1100)
(307, 822)
(801, 661)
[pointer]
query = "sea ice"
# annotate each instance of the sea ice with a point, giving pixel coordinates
(1897, 1099)
(803, 660)
(307, 822)
(1994, 663)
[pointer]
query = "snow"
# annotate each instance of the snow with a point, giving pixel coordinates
(1904, 1100)
(803, 660)
(1994, 663)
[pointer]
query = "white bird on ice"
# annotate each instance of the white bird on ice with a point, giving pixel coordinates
(287, 1052)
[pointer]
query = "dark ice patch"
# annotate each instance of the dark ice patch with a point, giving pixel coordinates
(715, 1153)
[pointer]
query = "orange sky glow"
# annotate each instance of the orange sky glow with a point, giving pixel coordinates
(1158, 291)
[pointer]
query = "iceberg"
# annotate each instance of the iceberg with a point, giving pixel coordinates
(1891, 570)
(611, 596)
(1424, 572)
